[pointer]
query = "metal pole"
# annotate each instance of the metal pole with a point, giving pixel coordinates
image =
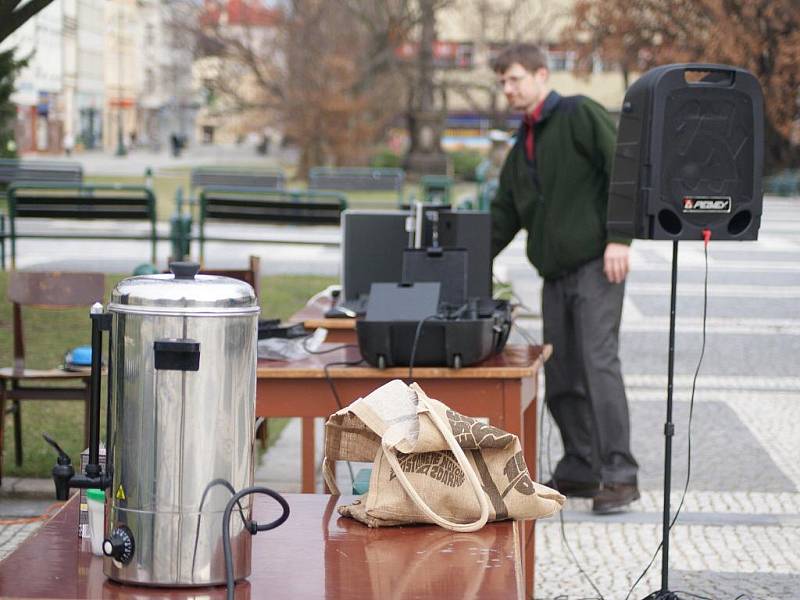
(120, 140)
(669, 427)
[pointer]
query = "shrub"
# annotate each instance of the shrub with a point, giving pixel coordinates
(386, 158)
(464, 163)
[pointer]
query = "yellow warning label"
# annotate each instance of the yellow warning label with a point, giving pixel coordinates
(120, 495)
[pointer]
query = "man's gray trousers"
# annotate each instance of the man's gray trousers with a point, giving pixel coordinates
(581, 314)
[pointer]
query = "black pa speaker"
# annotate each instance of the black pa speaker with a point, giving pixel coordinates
(689, 155)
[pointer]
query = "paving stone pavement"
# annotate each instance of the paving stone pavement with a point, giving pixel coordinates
(13, 534)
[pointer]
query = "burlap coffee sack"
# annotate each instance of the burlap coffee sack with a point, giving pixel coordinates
(454, 470)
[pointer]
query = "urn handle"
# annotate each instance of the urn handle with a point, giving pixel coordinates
(184, 270)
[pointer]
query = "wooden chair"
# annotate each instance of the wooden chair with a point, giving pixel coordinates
(48, 291)
(249, 275)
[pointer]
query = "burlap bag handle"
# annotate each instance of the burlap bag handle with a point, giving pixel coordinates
(329, 477)
(389, 452)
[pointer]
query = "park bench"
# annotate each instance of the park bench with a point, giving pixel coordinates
(202, 177)
(39, 171)
(113, 203)
(257, 205)
(218, 177)
(357, 179)
(785, 183)
(13, 170)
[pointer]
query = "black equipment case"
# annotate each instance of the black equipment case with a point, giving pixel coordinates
(451, 338)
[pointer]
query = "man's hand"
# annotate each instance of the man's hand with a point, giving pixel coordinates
(615, 262)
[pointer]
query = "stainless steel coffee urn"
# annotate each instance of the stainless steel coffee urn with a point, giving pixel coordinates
(182, 381)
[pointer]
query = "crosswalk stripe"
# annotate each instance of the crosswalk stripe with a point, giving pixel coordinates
(719, 382)
(683, 325)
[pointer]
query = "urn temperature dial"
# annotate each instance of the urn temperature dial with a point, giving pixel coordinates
(119, 545)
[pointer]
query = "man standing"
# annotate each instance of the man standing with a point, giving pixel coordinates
(554, 184)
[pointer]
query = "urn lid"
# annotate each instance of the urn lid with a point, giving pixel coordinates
(183, 290)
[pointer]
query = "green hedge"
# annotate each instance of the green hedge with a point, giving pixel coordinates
(464, 164)
(385, 158)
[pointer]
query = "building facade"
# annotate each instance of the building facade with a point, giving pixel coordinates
(38, 93)
(83, 73)
(167, 103)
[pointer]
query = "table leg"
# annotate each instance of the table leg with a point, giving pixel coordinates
(526, 402)
(308, 456)
(528, 551)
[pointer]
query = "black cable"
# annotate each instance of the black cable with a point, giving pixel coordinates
(561, 512)
(224, 483)
(252, 526)
(414, 344)
(689, 426)
(332, 385)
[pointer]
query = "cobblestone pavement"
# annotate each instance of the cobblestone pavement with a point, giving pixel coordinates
(738, 535)
(11, 535)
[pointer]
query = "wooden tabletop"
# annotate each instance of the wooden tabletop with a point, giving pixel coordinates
(514, 361)
(312, 316)
(315, 554)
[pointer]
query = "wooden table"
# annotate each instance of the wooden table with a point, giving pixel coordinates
(502, 388)
(315, 554)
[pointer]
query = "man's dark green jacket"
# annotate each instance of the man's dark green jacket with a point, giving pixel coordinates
(560, 198)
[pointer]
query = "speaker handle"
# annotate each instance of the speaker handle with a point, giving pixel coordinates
(718, 75)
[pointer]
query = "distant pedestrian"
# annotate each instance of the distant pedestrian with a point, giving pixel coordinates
(69, 144)
(554, 184)
(175, 144)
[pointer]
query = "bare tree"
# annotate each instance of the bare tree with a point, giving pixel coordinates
(762, 36)
(322, 71)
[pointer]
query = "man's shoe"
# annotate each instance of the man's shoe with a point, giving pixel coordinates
(574, 489)
(614, 497)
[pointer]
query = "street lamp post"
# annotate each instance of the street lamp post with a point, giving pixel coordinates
(425, 156)
(120, 139)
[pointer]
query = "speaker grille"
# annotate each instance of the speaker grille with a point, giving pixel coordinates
(707, 151)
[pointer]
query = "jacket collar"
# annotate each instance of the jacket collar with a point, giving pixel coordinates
(550, 103)
(549, 106)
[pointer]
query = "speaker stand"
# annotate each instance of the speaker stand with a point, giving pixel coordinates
(669, 430)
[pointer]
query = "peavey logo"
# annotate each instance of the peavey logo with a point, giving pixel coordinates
(706, 204)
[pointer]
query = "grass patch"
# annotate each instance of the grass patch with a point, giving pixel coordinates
(50, 333)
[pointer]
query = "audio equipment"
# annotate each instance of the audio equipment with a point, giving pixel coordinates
(689, 155)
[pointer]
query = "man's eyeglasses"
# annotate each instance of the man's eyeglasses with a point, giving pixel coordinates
(512, 80)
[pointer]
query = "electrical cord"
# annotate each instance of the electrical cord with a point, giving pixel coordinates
(414, 344)
(225, 483)
(251, 526)
(706, 238)
(332, 385)
(564, 540)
